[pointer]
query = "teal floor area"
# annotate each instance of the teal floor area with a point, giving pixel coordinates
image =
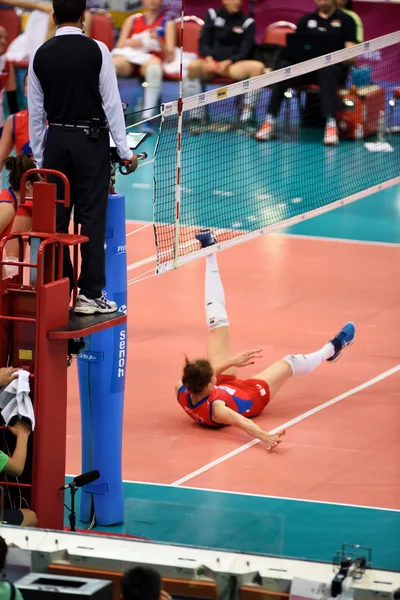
(257, 524)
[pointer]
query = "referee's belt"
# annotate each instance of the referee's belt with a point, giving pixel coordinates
(94, 124)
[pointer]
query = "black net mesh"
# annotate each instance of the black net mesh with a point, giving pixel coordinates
(243, 171)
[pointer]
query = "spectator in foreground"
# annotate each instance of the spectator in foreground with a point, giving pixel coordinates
(7, 589)
(142, 583)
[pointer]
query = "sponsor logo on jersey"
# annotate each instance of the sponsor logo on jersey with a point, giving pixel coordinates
(312, 24)
(336, 23)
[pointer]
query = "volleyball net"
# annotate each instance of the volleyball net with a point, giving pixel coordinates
(210, 171)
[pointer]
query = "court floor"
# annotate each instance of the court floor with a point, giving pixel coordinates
(336, 477)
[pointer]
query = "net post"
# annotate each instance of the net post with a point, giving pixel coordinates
(178, 149)
(178, 186)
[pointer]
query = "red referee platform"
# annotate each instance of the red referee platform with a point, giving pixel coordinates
(36, 323)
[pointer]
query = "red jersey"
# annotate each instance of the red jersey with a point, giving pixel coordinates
(8, 197)
(4, 75)
(247, 397)
(140, 24)
(20, 132)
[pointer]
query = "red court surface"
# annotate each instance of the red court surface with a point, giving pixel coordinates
(285, 295)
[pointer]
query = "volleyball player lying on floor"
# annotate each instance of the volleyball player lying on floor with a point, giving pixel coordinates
(210, 392)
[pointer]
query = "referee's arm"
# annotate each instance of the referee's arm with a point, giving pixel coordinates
(113, 107)
(37, 115)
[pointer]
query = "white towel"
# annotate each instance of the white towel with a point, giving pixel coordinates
(15, 400)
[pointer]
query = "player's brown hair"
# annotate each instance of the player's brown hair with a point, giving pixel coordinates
(197, 374)
(18, 165)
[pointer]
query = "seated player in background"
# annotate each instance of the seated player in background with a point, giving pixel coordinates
(346, 6)
(212, 395)
(226, 44)
(15, 136)
(327, 19)
(14, 465)
(9, 198)
(142, 583)
(146, 42)
(8, 82)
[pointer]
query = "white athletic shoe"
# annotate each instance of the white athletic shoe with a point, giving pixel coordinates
(89, 306)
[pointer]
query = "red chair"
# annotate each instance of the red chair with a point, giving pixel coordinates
(191, 33)
(11, 22)
(191, 36)
(276, 32)
(102, 28)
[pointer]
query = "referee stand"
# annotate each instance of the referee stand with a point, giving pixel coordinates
(36, 324)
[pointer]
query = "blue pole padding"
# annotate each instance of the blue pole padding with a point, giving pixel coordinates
(101, 372)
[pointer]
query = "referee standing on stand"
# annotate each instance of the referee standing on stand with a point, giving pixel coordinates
(73, 85)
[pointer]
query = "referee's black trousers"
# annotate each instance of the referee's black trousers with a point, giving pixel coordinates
(86, 164)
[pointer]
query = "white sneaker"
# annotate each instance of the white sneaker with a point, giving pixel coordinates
(89, 306)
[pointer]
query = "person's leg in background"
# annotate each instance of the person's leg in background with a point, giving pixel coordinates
(329, 80)
(152, 72)
(91, 159)
(267, 129)
(56, 156)
(239, 71)
(199, 71)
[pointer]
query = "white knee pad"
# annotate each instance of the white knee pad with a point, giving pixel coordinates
(154, 75)
(216, 314)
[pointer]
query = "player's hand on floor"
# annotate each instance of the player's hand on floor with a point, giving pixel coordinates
(247, 357)
(272, 441)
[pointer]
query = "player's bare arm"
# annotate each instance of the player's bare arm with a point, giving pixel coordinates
(225, 416)
(243, 359)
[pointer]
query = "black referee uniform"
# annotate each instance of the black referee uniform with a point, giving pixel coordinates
(72, 83)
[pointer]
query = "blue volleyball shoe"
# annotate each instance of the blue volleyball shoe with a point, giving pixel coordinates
(206, 238)
(344, 338)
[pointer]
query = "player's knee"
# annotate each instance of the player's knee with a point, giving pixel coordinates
(30, 519)
(216, 314)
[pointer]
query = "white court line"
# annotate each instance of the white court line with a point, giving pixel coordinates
(290, 423)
